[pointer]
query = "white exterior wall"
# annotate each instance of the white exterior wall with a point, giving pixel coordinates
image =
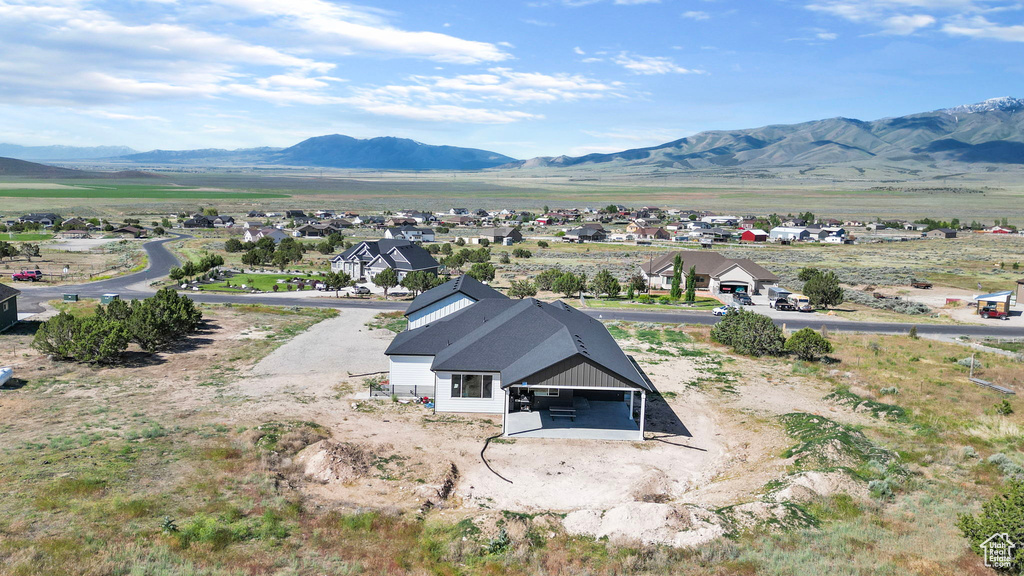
(443, 401)
(412, 371)
(439, 309)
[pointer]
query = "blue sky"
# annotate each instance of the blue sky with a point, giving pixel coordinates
(525, 78)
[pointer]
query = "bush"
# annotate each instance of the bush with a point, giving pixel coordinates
(644, 299)
(522, 289)
(1004, 408)
(542, 244)
(808, 345)
(749, 333)
(504, 259)
(1003, 514)
(522, 253)
(546, 279)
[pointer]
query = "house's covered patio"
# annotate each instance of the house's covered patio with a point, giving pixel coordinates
(594, 420)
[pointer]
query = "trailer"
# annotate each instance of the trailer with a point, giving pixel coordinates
(775, 293)
(5, 374)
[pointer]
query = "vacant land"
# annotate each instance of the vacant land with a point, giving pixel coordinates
(211, 459)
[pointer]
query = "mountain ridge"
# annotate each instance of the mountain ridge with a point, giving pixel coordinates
(990, 131)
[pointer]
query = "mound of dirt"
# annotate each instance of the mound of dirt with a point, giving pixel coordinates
(809, 485)
(646, 523)
(328, 461)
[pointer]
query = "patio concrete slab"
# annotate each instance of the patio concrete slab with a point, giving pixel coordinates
(601, 420)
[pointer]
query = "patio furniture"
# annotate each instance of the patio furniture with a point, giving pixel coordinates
(562, 412)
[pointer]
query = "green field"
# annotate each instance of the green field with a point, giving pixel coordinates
(262, 282)
(136, 192)
(26, 237)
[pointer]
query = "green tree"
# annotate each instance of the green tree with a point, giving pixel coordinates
(630, 293)
(386, 279)
(542, 244)
(807, 273)
(212, 212)
(482, 271)
(504, 259)
(546, 279)
(605, 283)
(691, 284)
(806, 344)
(159, 231)
(29, 251)
(522, 289)
(176, 274)
(336, 281)
(420, 281)
(823, 289)
(568, 284)
(522, 253)
(233, 245)
(638, 283)
(611, 209)
(677, 277)
(749, 333)
(1002, 514)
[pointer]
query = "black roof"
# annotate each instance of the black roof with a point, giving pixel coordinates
(374, 247)
(6, 292)
(516, 338)
(462, 285)
(415, 258)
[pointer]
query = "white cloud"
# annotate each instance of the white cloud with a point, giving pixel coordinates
(651, 65)
(476, 98)
(980, 27)
(578, 50)
(696, 15)
(361, 29)
(826, 35)
(904, 25)
(905, 17)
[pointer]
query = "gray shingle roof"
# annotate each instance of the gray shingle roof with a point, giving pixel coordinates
(467, 285)
(516, 338)
(7, 291)
(374, 248)
(415, 258)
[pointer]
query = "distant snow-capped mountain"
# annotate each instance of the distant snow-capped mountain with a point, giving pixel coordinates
(987, 132)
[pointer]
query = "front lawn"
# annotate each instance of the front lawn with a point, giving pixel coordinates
(702, 303)
(261, 282)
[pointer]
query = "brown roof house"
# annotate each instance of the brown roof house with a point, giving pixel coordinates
(714, 272)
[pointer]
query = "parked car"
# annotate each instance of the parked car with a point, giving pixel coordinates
(360, 290)
(783, 304)
(26, 275)
(742, 299)
(990, 312)
(723, 310)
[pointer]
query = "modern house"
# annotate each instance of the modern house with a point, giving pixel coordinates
(448, 298)
(941, 233)
(501, 235)
(585, 234)
(368, 258)
(714, 272)
(546, 368)
(254, 234)
(198, 221)
(45, 219)
(409, 233)
(651, 234)
(8, 306)
(788, 234)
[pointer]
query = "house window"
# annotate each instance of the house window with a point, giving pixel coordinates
(549, 392)
(5, 306)
(471, 386)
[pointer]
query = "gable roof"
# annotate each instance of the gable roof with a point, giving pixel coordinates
(6, 292)
(755, 270)
(709, 264)
(407, 257)
(516, 338)
(373, 248)
(466, 285)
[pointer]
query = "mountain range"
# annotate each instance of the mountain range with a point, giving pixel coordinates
(987, 132)
(991, 131)
(338, 151)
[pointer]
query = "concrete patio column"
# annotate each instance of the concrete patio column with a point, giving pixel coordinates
(631, 405)
(643, 413)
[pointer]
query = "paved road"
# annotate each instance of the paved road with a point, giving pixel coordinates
(161, 261)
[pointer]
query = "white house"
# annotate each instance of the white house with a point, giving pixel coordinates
(448, 298)
(255, 234)
(714, 272)
(368, 258)
(788, 234)
(530, 361)
(410, 233)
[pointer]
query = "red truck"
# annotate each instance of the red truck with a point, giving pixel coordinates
(990, 312)
(26, 275)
